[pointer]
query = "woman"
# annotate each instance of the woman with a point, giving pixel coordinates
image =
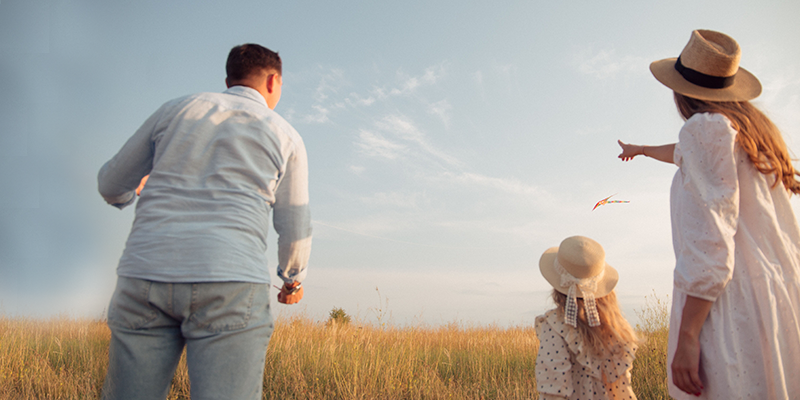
(735, 323)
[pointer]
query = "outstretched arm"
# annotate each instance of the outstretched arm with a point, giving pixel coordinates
(661, 153)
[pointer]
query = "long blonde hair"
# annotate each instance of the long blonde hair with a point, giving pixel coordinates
(757, 136)
(614, 330)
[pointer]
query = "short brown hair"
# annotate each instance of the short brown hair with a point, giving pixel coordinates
(248, 59)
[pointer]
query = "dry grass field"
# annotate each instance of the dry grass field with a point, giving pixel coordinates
(63, 358)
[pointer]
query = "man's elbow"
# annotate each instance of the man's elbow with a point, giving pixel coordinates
(111, 193)
(120, 201)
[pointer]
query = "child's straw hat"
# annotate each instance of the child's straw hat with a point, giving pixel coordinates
(578, 269)
(708, 69)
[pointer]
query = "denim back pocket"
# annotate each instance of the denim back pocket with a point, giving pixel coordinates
(222, 306)
(130, 306)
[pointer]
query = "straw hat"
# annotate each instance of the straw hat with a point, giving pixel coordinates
(708, 69)
(581, 258)
(578, 269)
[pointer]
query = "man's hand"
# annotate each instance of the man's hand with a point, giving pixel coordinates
(290, 293)
(141, 185)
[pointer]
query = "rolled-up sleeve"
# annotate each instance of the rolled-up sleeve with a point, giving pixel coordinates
(292, 216)
(705, 206)
(120, 176)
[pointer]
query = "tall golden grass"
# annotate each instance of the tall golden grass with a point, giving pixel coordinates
(649, 375)
(58, 358)
(63, 358)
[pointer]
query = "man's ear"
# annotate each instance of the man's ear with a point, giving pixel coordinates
(227, 84)
(272, 80)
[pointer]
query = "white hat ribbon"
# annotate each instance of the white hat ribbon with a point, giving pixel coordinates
(588, 286)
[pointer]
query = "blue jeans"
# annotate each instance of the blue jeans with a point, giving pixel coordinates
(225, 327)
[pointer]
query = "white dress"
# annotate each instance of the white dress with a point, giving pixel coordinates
(737, 243)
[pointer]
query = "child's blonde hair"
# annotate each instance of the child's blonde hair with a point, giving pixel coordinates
(614, 331)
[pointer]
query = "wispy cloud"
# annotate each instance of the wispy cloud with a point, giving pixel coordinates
(606, 64)
(329, 84)
(357, 169)
(509, 73)
(377, 224)
(508, 70)
(397, 138)
(776, 85)
(779, 100)
(376, 145)
(320, 117)
(328, 97)
(356, 100)
(430, 183)
(505, 185)
(478, 77)
(442, 110)
(396, 135)
(395, 200)
(408, 84)
(779, 95)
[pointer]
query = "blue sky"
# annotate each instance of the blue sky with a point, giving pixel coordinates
(450, 142)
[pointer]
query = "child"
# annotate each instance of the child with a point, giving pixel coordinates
(587, 347)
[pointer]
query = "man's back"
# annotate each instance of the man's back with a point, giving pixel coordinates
(217, 161)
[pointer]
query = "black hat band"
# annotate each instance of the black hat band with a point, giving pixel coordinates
(701, 79)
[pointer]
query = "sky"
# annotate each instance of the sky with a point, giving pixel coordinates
(450, 143)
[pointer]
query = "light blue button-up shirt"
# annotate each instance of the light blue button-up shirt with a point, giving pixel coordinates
(218, 163)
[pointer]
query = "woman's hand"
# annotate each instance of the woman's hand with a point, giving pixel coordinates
(629, 150)
(686, 365)
(686, 362)
(664, 153)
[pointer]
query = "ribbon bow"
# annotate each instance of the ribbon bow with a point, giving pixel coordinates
(588, 286)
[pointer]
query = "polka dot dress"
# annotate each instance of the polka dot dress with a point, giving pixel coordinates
(737, 244)
(565, 369)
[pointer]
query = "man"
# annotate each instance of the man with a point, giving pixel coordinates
(193, 272)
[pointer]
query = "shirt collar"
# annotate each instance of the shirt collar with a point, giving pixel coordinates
(247, 92)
